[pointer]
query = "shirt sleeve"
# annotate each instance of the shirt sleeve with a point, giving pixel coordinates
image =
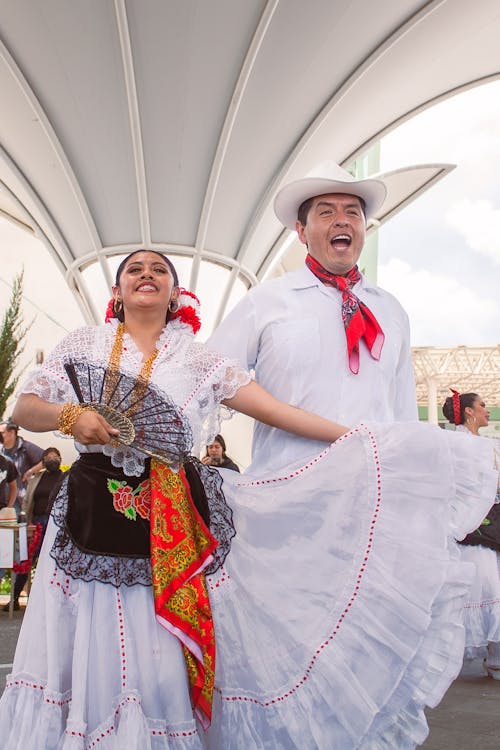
(237, 336)
(405, 408)
(33, 453)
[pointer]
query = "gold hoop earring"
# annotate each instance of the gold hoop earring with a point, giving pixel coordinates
(117, 306)
(173, 305)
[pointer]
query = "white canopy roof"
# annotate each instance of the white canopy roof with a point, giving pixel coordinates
(171, 125)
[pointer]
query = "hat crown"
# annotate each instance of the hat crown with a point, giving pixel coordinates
(327, 178)
(331, 171)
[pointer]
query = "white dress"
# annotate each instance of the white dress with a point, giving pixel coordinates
(337, 612)
(482, 608)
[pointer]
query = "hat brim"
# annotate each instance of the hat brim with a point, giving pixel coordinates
(292, 196)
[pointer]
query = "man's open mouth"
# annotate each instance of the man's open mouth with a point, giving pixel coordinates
(341, 241)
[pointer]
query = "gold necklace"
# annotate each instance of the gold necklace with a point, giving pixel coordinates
(143, 378)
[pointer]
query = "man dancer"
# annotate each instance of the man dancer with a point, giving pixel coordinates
(323, 337)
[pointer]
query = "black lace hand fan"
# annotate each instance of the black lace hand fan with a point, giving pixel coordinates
(147, 419)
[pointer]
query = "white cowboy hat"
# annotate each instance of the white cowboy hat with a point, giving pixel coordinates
(332, 179)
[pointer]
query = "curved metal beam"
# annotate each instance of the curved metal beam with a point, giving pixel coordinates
(434, 101)
(54, 143)
(226, 132)
(184, 250)
(135, 120)
(380, 51)
(88, 312)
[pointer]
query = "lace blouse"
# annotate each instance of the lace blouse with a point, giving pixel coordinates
(196, 378)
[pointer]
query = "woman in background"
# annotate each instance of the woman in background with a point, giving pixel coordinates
(482, 610)
(216, 455)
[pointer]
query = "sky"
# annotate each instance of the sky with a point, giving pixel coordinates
(440, 256)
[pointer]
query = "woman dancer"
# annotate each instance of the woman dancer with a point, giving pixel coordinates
(482, 610)
(335, 609)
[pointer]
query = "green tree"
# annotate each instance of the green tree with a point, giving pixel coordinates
(12, 335)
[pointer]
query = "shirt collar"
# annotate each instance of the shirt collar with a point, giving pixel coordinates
(303, 278)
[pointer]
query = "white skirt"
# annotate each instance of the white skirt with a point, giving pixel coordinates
(338, 614)
(482, 608)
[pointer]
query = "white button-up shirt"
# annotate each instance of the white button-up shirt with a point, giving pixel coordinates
(290, 331)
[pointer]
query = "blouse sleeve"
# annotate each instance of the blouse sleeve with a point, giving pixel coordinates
(216, 378)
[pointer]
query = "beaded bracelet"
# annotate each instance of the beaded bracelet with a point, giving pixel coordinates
(68, 416)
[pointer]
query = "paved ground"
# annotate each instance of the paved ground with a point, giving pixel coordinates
(467, 717)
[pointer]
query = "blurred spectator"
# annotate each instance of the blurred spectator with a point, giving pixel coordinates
(26, 456)
(216, 455)
(8, 483)
(41, 492)
(8, 488)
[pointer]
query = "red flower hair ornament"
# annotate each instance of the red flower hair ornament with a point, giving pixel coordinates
(188, 311)
(456, 405)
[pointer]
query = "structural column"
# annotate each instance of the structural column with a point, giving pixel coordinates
(432, 408)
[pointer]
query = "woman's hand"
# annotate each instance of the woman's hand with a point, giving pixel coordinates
(92, 429)
(37, 415)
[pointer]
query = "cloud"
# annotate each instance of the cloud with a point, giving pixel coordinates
(477, 221)
(442, 311)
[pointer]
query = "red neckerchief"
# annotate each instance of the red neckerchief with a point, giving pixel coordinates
(359, 321)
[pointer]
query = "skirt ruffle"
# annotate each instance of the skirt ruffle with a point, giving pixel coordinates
(482, 608)
(93, 669)
(339, 610)
(41, 722)
(338, 614)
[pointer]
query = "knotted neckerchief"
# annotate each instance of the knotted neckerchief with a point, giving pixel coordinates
(359, 321)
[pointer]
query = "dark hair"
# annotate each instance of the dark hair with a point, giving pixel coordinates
(466, 400)
(219, 439)
(50, 450)
(119, 314)
(11, 426)
(303, 211)
(305, 207)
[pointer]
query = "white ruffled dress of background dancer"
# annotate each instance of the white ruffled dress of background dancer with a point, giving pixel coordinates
(337, 611)
(482, 608)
